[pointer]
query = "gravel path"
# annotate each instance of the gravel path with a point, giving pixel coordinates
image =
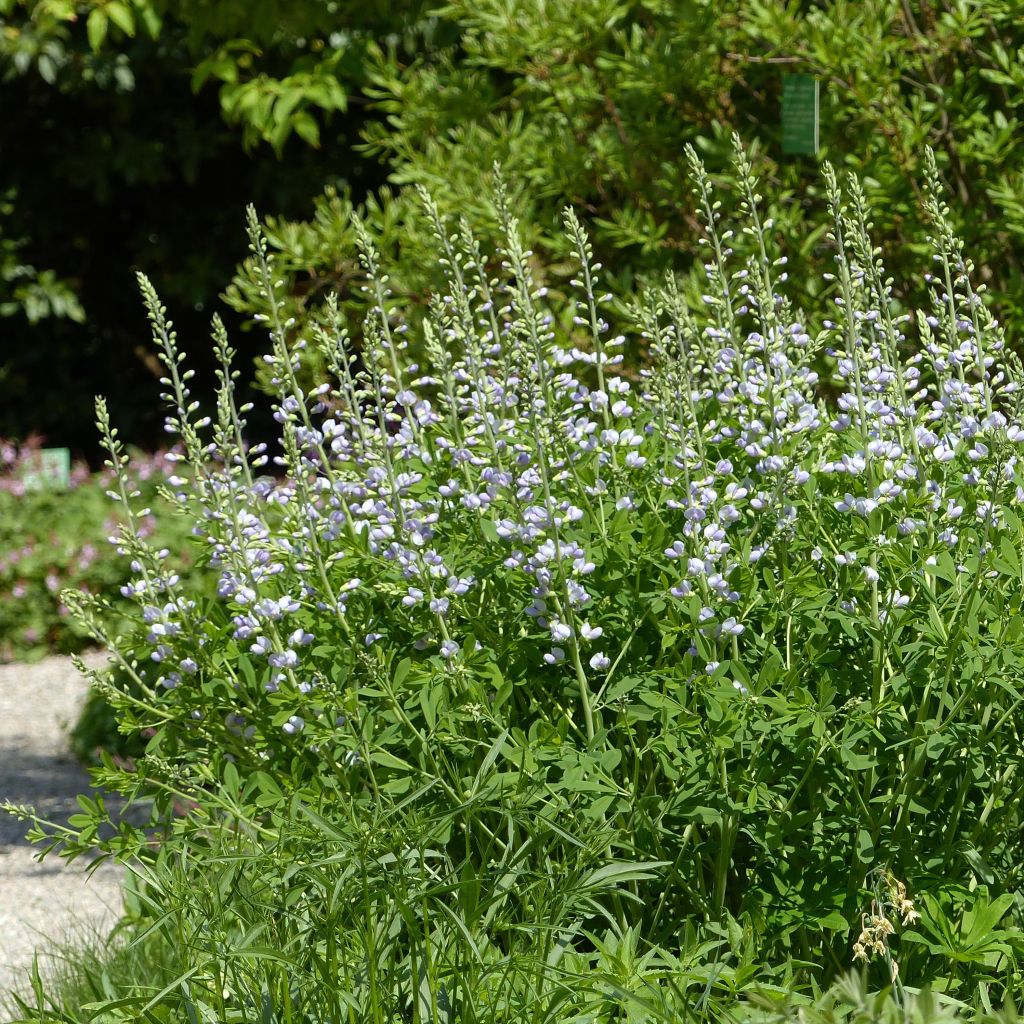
(40, 901)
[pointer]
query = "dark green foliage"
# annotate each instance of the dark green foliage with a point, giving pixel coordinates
(592, 103)
(52, 539)
(131, 145)
(589, 103)
(36, 293)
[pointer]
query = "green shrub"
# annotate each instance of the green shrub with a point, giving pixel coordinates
(588, 103)
(52, 538)
(592, 104)
(533, 689)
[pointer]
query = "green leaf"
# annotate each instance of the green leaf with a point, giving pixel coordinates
(231, 779)
(268, 791)
(96, 27)
(149, 17)
(614, 874)
(47, 69)
(388, 760)
(430, 697)
(121, 15)
(401, 671)
(623, 686)
(306, 128)
(491, 757)
(983, 916)
(1008, 554)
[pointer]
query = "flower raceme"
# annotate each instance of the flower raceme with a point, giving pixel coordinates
(504, 491)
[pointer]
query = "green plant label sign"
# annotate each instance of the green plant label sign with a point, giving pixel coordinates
(799, 115)
(47, 469)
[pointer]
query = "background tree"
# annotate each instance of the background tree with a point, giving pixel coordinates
(312, 109)
(592, 104)
(131, 129)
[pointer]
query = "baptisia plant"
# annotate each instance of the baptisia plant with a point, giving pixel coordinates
(747, 615)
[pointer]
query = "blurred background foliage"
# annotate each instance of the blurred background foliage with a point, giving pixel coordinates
(137, 130)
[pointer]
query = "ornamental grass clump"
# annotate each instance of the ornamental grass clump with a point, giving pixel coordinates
(521, 657)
